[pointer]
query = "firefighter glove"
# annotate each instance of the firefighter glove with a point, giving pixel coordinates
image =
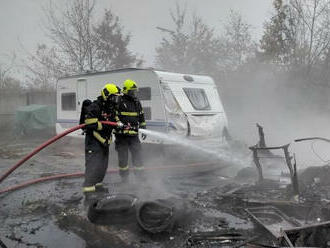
(120, 125)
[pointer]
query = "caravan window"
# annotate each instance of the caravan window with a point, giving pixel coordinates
(197, 98)
(144, 93)
(68, 101)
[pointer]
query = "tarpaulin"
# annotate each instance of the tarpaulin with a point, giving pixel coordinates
(35, 118)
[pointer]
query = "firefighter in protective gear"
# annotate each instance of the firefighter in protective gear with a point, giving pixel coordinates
(98, 137)
(130, 113)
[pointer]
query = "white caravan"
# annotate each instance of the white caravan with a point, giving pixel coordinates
(180, 104)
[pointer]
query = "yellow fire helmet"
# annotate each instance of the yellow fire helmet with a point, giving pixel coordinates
(129, 85)
(109, 89)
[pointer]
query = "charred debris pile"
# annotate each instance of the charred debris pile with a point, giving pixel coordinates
(282, 207)
(272, 203)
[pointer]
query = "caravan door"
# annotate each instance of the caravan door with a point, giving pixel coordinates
(81, 93)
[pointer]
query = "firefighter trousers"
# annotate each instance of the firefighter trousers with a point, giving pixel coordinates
(125, 143)
(96, 161)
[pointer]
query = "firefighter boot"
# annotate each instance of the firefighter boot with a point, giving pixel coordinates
(99, 187)
(91, 195)
(124, 174)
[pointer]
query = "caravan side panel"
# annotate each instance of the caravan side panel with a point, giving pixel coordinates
(149, 89)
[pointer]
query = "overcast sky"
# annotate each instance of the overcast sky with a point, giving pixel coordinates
(20, 20)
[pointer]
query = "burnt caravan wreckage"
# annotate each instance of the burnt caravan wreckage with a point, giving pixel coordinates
(307, 201)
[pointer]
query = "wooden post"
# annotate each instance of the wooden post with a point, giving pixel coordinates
(292, 169)
(262, 142)
(257, 163)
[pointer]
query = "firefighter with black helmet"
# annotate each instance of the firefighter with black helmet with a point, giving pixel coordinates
(98, 138)
(130, 114)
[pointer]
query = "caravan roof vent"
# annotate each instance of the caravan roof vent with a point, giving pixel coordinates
(188, 78)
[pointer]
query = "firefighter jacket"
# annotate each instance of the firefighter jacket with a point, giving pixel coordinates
(96, 112)
(130, 113)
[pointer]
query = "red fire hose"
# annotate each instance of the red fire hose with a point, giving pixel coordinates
(78, 174)
(47, 143)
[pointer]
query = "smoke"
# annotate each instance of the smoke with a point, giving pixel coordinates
(286, 107)
(182, 166)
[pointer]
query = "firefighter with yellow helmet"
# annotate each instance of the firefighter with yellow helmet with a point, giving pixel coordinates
(98, 137)
(130, 114)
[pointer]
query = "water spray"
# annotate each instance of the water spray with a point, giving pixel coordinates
(219, 153)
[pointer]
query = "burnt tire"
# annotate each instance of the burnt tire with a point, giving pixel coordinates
(113, 209)
(156, 216)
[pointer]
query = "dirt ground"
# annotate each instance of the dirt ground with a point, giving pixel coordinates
(54, 213)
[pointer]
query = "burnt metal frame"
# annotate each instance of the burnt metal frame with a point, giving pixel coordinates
(288, 158)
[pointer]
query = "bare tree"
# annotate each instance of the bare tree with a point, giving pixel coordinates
(172, 52)
(45, 66)
(188, 48)
(298, 35)
(70, 30)
(111, 45)
(4, 71)
(80, 44)
(313, 18)
(7, 81)
(239, 44)
(279, 41)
